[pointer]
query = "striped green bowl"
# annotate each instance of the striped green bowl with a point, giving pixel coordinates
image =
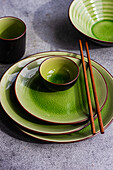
(93, 18)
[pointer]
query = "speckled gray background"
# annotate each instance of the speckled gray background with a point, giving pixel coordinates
(48, 28)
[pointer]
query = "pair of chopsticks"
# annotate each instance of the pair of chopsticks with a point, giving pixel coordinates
(94, 90)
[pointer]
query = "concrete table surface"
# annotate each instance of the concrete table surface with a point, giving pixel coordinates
(49, 29)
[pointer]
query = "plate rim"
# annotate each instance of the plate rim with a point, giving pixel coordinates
(61, 123)
(61, 142)
(43, 53)
(25, 126)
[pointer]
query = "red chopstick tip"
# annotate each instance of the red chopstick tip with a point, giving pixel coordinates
(94, 132)
(102, 132)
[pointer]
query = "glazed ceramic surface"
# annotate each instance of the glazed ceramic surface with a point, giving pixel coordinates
(18, 114)
(107, 111)
(94, 19)
(11, 27)
(64, 107)
(14, 113)
(58, 73)
(12, 39)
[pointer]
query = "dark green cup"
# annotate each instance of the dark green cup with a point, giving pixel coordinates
(12, 39)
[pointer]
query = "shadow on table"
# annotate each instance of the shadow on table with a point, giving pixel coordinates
(52, 24)
(8, 127)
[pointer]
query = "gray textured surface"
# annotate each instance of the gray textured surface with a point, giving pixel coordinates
(48, 28)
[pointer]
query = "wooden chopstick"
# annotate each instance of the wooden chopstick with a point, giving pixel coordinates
(94, 90)
(87, 90)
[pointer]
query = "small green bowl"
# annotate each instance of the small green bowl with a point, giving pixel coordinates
(94, 19)
(59, 73)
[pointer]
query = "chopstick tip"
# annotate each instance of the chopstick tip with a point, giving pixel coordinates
(102, 132)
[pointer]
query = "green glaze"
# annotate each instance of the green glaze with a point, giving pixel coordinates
(93, 18)
(103, 30)
(59, 78)
(69, 106)
(11, 28)
(18, 115)
(107, 111)
(58, 70)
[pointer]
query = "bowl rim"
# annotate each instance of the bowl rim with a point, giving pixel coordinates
(94, 39)
(62, 84)
(18, 37)
(65, 55)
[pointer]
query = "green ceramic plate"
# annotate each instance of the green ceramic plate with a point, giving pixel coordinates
(12, 110)
(107, 111)
(18, 114)
(63, 107)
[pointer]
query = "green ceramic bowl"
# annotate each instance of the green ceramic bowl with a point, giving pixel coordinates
(93, 18)
(12, 39)
(59, 73)
(60, 107)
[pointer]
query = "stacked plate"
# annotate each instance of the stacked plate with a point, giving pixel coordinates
(60, 116)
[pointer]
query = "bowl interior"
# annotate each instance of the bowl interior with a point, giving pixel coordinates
(93, 18)
(59, 70)
(11, 27)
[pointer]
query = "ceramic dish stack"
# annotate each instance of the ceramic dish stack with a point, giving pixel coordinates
(60, 116)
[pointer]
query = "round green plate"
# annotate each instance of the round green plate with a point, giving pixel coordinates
(63, 107)
(107, 111)
(18, 114)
